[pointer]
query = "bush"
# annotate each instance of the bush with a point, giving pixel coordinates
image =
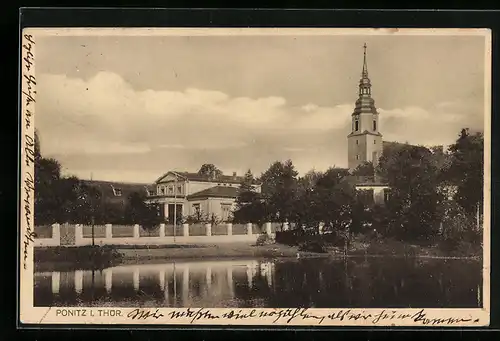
(264, 239)
(316, 246)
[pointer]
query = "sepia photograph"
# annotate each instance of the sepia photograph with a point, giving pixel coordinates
(255, 176)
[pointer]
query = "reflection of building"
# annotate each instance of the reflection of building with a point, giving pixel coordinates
(197, 195)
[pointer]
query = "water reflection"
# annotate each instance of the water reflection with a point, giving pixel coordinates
(317, 283)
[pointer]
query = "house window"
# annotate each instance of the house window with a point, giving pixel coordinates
(374, 125)
(151, 192)
(179, 189)
(356, 125)
(170, 190)
(117, 192)
(162, 190)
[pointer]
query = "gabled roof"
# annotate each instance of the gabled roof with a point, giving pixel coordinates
(108, 188)
(216, 192)
(228, 179)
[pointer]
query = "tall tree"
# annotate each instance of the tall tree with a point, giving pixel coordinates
(250, 208)
(279, 186)
(139, 212)
(210, 171)
(466, 170)
(413, 204)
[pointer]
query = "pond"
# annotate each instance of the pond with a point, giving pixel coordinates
(314, 283)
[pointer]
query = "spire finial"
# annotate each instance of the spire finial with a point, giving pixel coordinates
(365, 69)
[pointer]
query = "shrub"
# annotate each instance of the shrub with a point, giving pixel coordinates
(264, 239)
(316, 246)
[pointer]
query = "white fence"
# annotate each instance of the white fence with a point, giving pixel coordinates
(162, 239)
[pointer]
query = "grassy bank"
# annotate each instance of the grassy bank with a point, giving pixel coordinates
(80, 257)
(98, 257)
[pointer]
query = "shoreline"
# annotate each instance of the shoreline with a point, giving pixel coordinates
(105, 256)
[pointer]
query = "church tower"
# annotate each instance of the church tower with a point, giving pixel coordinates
(364, 143)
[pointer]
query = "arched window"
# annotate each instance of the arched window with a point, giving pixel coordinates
(374, 125)
(356, 125)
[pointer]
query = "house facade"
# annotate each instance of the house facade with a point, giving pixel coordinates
(185, 194)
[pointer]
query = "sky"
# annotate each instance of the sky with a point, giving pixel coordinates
(131, 108)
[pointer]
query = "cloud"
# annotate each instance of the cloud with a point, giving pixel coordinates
(106, 120)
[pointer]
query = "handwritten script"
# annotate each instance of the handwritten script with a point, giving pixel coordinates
(28, 92)
(291, 315)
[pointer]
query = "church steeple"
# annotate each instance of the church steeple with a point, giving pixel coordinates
(365, 140)
(364, 74)
(364, 82)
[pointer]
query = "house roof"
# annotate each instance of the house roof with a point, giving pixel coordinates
(107, 187)
(216, 192)
(228, 179)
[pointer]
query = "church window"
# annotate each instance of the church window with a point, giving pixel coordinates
(357, 157)
(374, 125)
(374, 141)
(356, 125)
(357, 142)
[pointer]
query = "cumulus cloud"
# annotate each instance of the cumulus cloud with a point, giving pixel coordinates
(104, 118)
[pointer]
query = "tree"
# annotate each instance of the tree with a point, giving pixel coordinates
(279, 186)
(413, 205)
(466, 170)
(364, 169)
(250, 207)
(139, 212)
(210, 171)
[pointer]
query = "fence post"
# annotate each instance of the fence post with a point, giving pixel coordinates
(249, 229)
(79, 235)
(162, 230)
(56, 233)
(268, 229)
(229, 229)
(185, 230)
(209, 229)
(109, 231)
(136, 231)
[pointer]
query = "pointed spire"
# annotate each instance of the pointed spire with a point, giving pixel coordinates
(365, 68)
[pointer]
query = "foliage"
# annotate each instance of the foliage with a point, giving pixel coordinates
(210, 171)
(279, 186)
(264, 239)
(250, 207)
(364, 169)
(412, 207)
(139, 212)
(316, 245)
(465, 170)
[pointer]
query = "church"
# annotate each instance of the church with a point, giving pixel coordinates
(364, 142)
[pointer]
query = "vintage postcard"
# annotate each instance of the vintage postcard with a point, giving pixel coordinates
(270, 177)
